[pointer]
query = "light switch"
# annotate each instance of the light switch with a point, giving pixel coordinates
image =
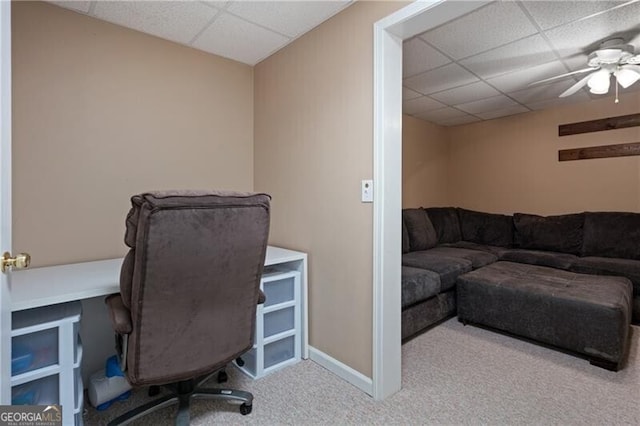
(367, 191)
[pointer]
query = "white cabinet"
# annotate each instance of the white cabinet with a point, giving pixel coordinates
(278, 324)
(46, 354)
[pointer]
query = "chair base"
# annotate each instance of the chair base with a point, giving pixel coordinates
(182, 393)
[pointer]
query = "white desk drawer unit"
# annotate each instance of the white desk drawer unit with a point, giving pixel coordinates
(45, 359)
(278, 325)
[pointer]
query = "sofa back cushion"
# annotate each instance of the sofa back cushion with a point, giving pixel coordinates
(486, 228)
(612, 234)
(422, 236)
(561, 233)
(445, 222)
(405, 238)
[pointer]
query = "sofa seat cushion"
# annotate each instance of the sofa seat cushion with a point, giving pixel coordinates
(448, 268)
(627, 268)
(542, 258)
(418, 285)
(495, 250)
(561, 233)
(478, 258)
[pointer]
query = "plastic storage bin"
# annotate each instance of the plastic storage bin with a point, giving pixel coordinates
(279, 351)
(34, 350)
(279, 321)
(46, 358)
(278, 325)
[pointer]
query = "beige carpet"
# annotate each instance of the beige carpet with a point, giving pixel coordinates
(451, 375)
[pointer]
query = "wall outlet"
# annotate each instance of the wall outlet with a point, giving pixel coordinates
(367, 191)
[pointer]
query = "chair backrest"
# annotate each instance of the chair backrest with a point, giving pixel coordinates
(191, 280)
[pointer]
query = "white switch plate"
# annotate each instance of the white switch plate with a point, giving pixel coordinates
(367, 191)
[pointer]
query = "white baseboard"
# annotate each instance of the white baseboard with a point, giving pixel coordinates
(341, 370)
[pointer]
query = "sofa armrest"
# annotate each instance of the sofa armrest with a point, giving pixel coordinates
(261, 297)
(119, 314)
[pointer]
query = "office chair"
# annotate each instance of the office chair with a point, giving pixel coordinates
(189, 287)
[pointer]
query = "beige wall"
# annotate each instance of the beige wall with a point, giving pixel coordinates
(101, 112)
(313, 145)
(425, 164)
(511, 164)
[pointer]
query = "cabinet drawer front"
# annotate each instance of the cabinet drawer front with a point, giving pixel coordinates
(279, 351)
(43, 391)
(279, 321)
(32, 351)
(279, 291)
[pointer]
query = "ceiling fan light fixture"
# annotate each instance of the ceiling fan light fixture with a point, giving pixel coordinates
(626, 76)
(609, 56)
(599, 82)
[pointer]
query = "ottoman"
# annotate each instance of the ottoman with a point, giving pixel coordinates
(586, 314)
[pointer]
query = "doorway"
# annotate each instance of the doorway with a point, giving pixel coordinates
(389, 33)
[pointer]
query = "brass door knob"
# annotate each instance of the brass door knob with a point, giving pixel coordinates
(20, 261)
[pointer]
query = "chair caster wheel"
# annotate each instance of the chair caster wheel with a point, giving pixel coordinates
(245, 409)
(239, 361)
(222, 377)
(154, 390)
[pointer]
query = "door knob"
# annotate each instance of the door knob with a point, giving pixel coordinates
(20, 261)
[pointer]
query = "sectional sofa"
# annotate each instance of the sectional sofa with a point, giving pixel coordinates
(546, 278)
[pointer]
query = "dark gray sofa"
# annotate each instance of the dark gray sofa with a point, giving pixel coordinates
(441, 244)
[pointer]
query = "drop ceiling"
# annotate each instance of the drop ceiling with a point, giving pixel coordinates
(245, 31)
(479, 66)
(476, 67)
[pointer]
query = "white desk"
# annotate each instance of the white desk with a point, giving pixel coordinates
(32, 288)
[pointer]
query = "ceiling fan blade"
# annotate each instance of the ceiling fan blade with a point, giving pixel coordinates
(564, 75)
(573, 89)
(626, 75)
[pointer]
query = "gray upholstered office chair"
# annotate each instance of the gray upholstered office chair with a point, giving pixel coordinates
(189, 287)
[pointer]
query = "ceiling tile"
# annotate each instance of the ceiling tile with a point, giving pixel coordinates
(78, 6)
(409, 94)
(441, 114)
(420, 105)
(488, 104)
(455, 121)
(512, 110)
(542, 92)
(488, 27)
(418, 57)
(240, 40)
(519, 79)
(176, 21)
(585, 36)
(468, 93)
(440, 79)
(220, 4)
(290, 18)
(511, 57)
(581, 96)
(549, 14)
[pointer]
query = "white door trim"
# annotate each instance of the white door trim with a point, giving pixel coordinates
(387, 173)
(5, 199)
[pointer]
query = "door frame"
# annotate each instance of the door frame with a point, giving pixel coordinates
(389, 33)
(5, 199)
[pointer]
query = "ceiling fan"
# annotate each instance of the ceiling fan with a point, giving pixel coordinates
(614, 57)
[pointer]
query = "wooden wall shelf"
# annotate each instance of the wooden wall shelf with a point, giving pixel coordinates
(610, 123)
(603, 151)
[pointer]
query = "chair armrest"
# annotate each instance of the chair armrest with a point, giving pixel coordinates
(119, 314)
(261, 297)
